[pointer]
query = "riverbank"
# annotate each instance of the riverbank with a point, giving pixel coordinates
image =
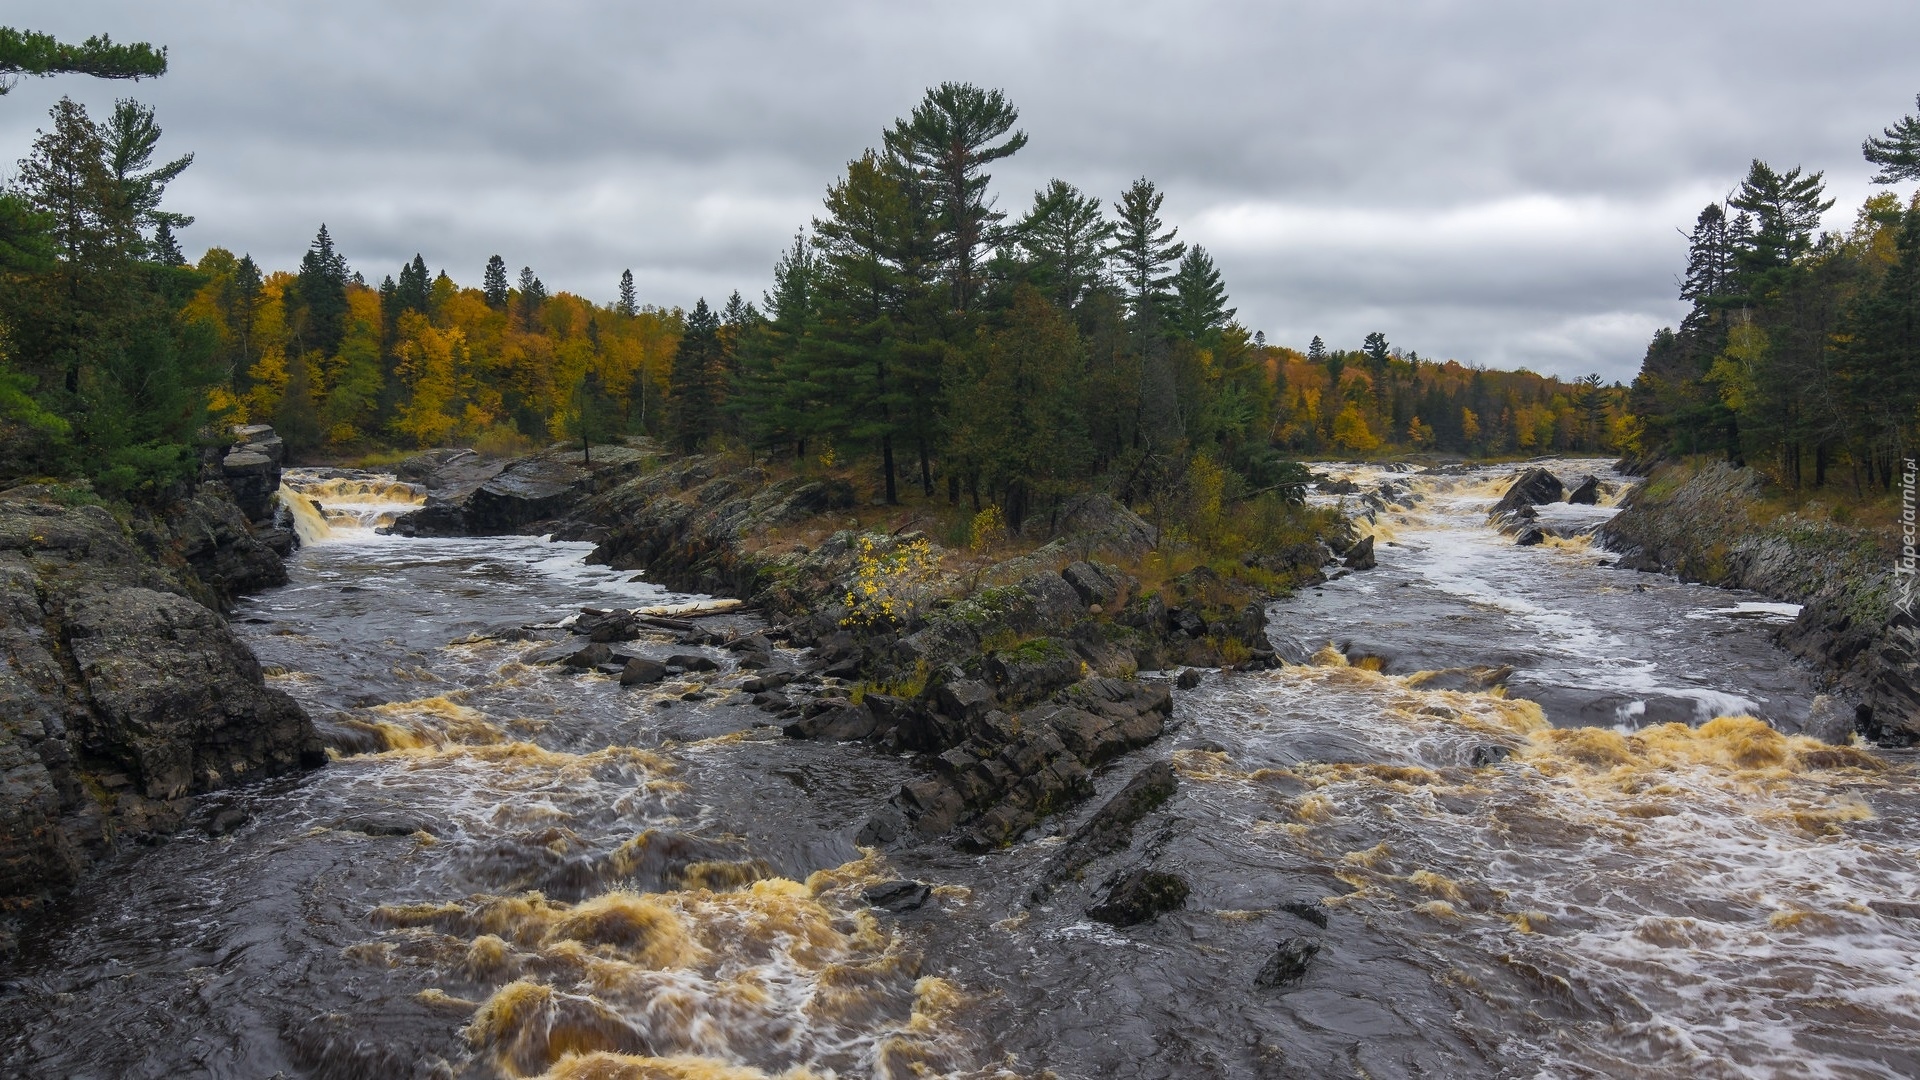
(1716, 524)
(125, 693)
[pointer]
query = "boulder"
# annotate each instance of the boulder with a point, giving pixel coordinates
(640, 671)
(1138, 896)
(1360, 555)
(692, 662)
(897, 896)
(1530, 536)
(1098, 583)
(1532, 487)
(1096, 522)
(1289, 963)
(1587, 493)
(1032, 670)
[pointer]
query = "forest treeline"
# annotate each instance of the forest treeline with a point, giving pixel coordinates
(1801, 354)
(914, 329)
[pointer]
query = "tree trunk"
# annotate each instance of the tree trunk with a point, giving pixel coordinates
(886, 457)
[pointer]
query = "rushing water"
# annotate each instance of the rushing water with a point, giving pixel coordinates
(1589, 875)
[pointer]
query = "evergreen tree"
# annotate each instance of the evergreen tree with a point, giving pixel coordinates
(592, 417)
(628, 304)
(166, 250)
(241, 301)
(24, 52)
(131, 136)
(1710, 258)
(1065, 237)
(493, 284)
(955, 131)
(1896, 150)
(1786, 209)
(1317, 351)
(1142, 252)
(1198, 308)
(321, 286)
(533, 293)
(771, 395)
(413, 290)
(691, 383)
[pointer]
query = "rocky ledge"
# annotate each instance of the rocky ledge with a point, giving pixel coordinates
(124, 693)
(1702, 522)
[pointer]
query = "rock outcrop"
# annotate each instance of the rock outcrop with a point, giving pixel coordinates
(1530, 488)
(467, 497)
(121, 694)
(1010, 686)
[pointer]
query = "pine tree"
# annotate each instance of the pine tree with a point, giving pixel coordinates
(771, 394)
(413, 291)
(1317, 351)
(533, 293)
(1143, 252)
(493, 283)
(166, 250)
(131, 135)
(1198, 308)
(628, 304)
(1786, 209)
(1896, 150)
(949, 138)
(1065, 236)
(24, 52)
(691, 382)
(322, 288)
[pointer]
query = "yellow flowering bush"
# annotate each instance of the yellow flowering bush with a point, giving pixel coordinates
(891, 581)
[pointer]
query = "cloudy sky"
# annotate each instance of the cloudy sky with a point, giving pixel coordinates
(1498, 182)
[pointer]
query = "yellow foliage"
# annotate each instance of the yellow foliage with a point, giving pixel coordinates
(1351, 432)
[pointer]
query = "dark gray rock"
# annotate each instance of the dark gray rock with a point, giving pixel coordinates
(843, 724)
(1098, 583)
(1289, 963)
(1312, 911)
(640, 671)
(1111, 827)
(1530, 488)
(592, 656)
(1587, 493)
(898, 896)
(693, 662)
(1360, 555)
(1139, 895)
(1531, 536)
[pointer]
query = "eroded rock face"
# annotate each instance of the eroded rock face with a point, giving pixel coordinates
(467, 497)
(120, 695)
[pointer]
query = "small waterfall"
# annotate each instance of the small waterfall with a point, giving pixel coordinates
(308, 522)
(323, 507)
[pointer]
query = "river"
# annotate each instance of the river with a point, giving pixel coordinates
(1587, 874)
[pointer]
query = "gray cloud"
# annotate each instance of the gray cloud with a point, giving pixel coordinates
(1498, 182)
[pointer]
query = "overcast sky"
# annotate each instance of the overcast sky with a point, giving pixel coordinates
(1496, 182)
